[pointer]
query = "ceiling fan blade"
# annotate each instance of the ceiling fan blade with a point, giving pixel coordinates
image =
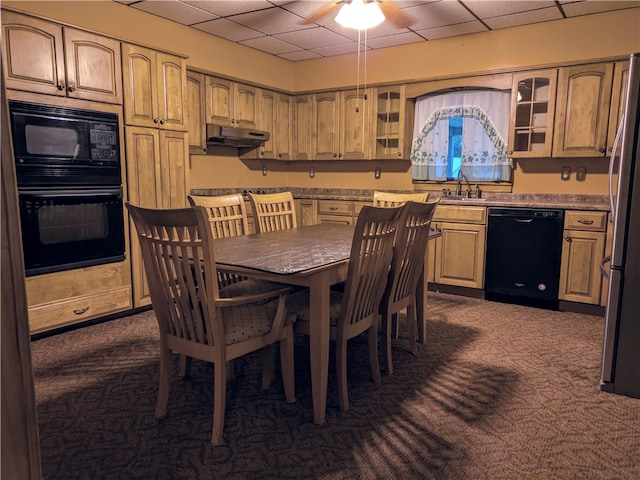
(321, 12)
(394, 14)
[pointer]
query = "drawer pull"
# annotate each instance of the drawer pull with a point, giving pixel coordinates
(586, 222)
(333, 208)
(80, 311)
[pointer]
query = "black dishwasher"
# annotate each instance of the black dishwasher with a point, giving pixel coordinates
(523, 255)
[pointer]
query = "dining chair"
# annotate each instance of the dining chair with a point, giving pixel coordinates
(194, 321)
(356, 310)
(228, 218)
(407, 265)
(273, 211)
(391, 199)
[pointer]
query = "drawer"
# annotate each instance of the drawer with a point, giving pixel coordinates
(461, 214)
(78, 309)
(335, 207)
(341, 219)
(584, 220)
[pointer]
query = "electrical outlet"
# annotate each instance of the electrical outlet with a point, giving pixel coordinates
(581, 173)
(565, 173)
(312, 172)
(264, 170)
(377, 172)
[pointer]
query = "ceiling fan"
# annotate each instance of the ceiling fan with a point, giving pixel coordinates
(390, 11)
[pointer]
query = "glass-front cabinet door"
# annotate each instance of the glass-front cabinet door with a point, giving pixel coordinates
(389, 141)
(533, 96)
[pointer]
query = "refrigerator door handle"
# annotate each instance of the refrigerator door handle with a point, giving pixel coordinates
(611, 328)
(603, 262)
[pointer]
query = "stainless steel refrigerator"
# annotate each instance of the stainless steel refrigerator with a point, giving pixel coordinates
(621, 350)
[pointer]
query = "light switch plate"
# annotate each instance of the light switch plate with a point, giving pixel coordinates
(581, 173)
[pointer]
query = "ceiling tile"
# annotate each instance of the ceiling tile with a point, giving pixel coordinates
(525, 18)
(227, 29)
(270, 45)
(271, 21)
(496, 8)
(584, 8)
(394, 40)
(313, 38)
(438, 14)
(452, 30)
(338, 49)
(174, 10)
(300, 55)
(228, 7)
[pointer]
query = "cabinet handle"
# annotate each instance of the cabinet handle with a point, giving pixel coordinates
(335, 155)
(340, 155)
(602, 150)
(586, 222)
(80, 311)
(71, 88)
(567, 238)
(61, 86)
(399, 154)
(156, 120)
(162, 121)
(333, 208)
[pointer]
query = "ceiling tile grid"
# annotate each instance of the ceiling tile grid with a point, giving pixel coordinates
(275, 26)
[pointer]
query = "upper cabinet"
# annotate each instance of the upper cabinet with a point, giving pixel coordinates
(155, 88)
(341, 124)
(43, 57)
(302, 125)
(230, 103)
(618, 100)
(283, 128)
(391, 140)
(195, 106)
(533, 96)
(582, 113)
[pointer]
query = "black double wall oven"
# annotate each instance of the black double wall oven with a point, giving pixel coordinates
(69, 181)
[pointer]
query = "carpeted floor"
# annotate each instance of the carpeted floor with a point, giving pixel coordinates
(498, 392)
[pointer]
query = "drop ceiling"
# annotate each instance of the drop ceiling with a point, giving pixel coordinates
(274, 26)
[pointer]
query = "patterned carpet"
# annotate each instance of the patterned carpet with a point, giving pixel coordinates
(498, 392)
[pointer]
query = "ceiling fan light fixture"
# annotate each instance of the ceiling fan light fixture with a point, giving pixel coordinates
(359, 15)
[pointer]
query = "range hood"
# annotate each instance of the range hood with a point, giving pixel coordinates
(223, 136)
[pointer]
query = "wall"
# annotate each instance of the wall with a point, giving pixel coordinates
(590, 37)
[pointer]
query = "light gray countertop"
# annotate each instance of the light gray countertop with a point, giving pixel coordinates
(489, 199)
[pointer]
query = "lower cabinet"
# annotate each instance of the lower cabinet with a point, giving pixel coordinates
(306, 212)
(583, 249)
(457, 256)
(64, 298)
(340, 211)
(157, 177)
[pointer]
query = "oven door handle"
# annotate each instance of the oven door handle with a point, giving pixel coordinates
(76, 192)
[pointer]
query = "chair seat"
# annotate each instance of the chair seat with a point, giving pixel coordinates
(298, 305)
(249, 286)
(243, 322)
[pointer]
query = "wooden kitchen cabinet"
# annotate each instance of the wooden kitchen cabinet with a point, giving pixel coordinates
(339, 211)
(157, 177)
(306, 211)
(618, 100)
(196, 126)
(533, 97)
(582, 110)
(582, 251)
(275, 115)
(341, 125)
(73, 296)
(231, 103)
(283, 128)
(155, 88)
(391, 139)
(458, 254)
(43, 57)
(302, 134)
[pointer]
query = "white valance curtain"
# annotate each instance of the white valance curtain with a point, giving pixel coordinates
(485, 126)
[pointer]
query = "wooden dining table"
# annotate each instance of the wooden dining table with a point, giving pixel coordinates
(314, 256)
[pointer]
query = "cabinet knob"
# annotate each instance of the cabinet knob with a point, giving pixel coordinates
(61, 86)
(156, 120)
(567, 238)
(340, 155)
(71, 88)
(335, 155)
(162, 121)
(602, 150)
(399, 154)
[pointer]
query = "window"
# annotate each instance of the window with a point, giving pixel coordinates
(462, 133)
